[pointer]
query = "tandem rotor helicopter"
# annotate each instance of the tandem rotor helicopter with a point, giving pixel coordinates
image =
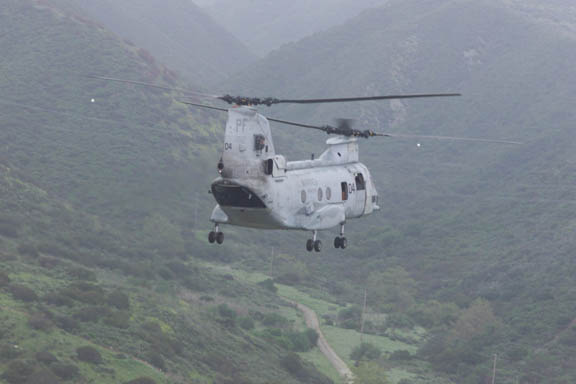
(258, 188)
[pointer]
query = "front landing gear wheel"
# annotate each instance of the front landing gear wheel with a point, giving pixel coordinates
(220, 237)
(309, 245)
(212, 237)
(317, 245)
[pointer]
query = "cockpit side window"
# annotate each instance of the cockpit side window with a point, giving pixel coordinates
(259, 142)
(360, 183)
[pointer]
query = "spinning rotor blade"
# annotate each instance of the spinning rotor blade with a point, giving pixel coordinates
(344, 128)
(192, 93)
(271, 101)
(399, 136)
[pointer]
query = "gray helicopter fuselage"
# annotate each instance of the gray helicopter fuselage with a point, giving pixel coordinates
(257, 188)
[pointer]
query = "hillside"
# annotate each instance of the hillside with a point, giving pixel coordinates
(465, 221)
(266, 25)
(99, 276)
(177, 32)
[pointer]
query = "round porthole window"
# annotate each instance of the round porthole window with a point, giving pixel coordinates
(303, 196)
(320, 194)
(328, 193)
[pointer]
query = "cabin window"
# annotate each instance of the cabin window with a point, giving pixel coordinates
(259, 143)
(303, 196)
(236, 196)
(320, 194)
(344, 186)
(328, 193)
(360, 183)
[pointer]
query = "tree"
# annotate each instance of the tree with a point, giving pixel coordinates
(475, 321)
(365, 352)
(89, 354)
(370, 373)
(392, 290)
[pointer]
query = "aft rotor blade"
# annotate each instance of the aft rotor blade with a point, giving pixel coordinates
(401, 136)
(186, 91)
(349, 99)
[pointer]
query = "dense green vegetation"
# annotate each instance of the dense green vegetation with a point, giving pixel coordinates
(103, 272)
(466, 231)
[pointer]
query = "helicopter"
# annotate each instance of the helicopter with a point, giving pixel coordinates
(258, 188)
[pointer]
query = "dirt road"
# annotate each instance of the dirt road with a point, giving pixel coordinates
(325, 348)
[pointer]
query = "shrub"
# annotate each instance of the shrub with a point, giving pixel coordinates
(225, 311)
(293, 365)
(156, 360)
(401, 356)
(141, 380)
(67, 323)
(118, 319)
(269, 285)
(119, 300)
(312, 336)
(82, 274)
(28, 250)
(46, 357)
(43, 376)
(89, 354)
(40, 321)
(246, 323)
(9, 352)
(58, 299)
(4, 279)
(18, 372)
(91, 314)
(23, 293)
(274, 320)
(65, 371)
(365, 351)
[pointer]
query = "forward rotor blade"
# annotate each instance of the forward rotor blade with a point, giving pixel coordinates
(205, 106)
(400, 136)
(389, 97)
(192, 93)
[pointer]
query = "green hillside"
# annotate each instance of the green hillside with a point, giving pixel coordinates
(465, 221)
(97, 198)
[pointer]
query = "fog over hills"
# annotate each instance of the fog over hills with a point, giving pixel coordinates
(265, 25)
(176, 32)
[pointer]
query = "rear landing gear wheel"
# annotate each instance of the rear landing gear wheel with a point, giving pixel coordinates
(309, 245)
(212, 237)
(340, 242)
(317, 245)
(220, 237)
(336, 242)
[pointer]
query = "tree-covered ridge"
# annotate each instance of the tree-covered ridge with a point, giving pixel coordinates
(459, 222)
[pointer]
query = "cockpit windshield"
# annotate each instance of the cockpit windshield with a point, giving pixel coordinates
(236, 196)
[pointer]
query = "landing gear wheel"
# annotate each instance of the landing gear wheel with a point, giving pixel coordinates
(310, 245)
(220, 237)
(337, 242)
(212, 237)
(317, 245)
(343, 242)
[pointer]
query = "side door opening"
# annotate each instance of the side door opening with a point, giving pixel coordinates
(344, 190)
